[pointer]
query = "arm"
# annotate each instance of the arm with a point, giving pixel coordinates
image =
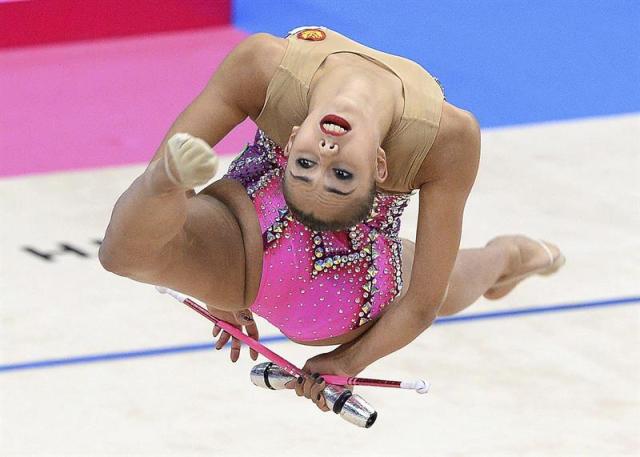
(154, 224)
(441, 208)
(236, 90)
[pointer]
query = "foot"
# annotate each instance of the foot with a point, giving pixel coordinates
(526, 257)
(189, 161)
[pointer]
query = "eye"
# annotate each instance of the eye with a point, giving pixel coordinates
(304, 163)
(342, 174)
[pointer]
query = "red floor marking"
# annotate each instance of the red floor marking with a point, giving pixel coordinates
(104, 103)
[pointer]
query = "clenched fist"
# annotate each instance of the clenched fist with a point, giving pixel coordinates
(189, 161)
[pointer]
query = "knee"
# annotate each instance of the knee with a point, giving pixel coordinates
(113, 260)
(109, 260)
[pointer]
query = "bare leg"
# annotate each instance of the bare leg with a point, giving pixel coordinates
(476, 271)
(195, 245)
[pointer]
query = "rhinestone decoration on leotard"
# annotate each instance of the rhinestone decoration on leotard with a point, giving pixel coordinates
(319, 284)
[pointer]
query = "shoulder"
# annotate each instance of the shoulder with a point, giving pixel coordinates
(455, 154)
(261, 45)
(260, 51)
(247, 70)
(459, 132)
(464, 137)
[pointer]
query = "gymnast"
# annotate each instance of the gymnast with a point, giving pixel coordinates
(303, 228)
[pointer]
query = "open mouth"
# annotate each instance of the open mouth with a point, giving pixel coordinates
(334, 125)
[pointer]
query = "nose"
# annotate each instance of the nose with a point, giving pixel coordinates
(327, 147)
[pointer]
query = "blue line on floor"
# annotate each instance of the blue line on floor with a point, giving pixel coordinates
(47, 363)
(92, 358)
(539, 310)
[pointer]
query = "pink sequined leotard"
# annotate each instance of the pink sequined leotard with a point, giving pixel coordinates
(317, 285)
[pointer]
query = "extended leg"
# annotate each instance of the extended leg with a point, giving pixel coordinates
(476, 271)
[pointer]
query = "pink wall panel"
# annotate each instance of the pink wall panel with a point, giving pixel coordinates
(45, 21)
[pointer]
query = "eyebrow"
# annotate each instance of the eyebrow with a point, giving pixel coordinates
(329, 189)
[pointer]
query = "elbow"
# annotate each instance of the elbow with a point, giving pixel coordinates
(426, 316)
(424, 312)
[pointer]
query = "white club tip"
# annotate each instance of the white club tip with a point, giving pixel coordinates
(175, 294)
(419, 385)
(422, 386)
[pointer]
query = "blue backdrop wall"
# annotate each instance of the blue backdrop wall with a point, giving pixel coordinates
(508, 61)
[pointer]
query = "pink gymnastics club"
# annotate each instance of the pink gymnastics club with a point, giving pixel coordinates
(419, 385)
